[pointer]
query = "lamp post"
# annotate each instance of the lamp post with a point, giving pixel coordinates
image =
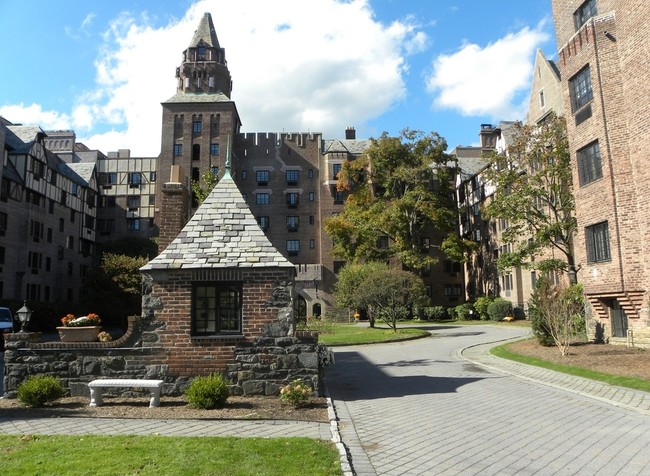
(24, 315)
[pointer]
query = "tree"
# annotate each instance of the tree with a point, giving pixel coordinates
(350, 278)
(390, 295)
(557, 314)
(401, 190)
(534, 194)
(117, 279)
(202, 188)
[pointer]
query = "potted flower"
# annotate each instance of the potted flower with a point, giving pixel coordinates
(79, 329)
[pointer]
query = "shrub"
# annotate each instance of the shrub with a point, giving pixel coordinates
(208, 392)
(39, 390)
(462, 312)
(499, 308)
(481, 307)
(435, 313)
(296, 394)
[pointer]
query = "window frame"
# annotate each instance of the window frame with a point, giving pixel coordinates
(293, 176)
(590, 164)
(235, 312)
(262, 177)
(598, 243)
(262, 198)
(584, 12)
(293, 247)
(580, 89)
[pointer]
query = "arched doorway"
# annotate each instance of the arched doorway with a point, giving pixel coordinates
(316, 310)
(300, 310)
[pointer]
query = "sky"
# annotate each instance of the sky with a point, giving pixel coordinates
(103, 68)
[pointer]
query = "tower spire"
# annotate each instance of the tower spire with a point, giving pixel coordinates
(204, 69)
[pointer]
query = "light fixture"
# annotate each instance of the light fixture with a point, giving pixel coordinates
(24, 315)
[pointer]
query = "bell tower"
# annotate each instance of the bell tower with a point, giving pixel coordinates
(204, 68)
(200, 119)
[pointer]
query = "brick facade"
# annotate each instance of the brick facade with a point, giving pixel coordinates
(614, 46)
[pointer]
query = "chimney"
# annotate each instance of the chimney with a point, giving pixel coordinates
(350, 133)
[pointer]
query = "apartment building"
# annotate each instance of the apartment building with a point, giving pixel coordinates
(47, 219)
(603, 58)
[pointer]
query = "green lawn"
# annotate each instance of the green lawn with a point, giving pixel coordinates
(503, 351)
(157, 455)
(350, 334)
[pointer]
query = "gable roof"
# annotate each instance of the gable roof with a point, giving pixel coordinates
(223, 233)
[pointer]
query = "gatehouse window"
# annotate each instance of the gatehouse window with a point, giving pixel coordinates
(217, 308)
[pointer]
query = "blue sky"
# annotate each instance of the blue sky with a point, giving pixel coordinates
(102, 68)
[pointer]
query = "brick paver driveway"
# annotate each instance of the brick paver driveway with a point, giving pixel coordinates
(419, 408)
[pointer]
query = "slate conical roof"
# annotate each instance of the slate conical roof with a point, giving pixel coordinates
(223, 233)
(205, 32)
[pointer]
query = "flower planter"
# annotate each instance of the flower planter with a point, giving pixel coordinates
(79, 334)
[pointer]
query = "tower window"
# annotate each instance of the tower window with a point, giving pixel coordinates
(178, 150)
(196, 126)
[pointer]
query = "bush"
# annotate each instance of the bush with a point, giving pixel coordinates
(481, 307)
(462, 312)
(208, 392)
(435, 313)
(39, 390)
(296, 394)
(499, 308)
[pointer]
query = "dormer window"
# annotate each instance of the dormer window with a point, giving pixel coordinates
(201, 53)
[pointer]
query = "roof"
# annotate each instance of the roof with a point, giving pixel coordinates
(21, 138)
(198, 98)
(205, 33)
(352, 146)
(223, 233)
(84, 170)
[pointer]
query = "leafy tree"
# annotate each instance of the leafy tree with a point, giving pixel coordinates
(113, 286)
(557, 314)
(390, 294)
(534, 194)
(401, 189)
(347, 285)
(201, 188)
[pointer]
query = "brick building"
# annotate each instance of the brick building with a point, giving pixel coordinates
(603, 53)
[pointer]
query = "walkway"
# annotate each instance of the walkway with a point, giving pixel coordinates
(428, 407)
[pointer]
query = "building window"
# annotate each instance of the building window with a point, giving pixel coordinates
(133, 224)
(3, 224)
(312, 244)
(541, 99)
(310, 173)
(382, 242)
(217, 308)
(263, 222)
(506, 281)
(152, 176)
(311, 196)
(584, 13)
(244, 174)
(292, 177)
(580, 89)
(311, 219)
(339, 197)
(262, 198)
(214, 170)
(336, 168)
(178, 150)
(452, 267)
(196, 127)
(262, 177)
(293, 247)
(597, 238)
(70, 242)
(196, 152)
(590, 167)
(133, 202)
(135, 179)
(293, 222)
(293, 199)
(214, 149)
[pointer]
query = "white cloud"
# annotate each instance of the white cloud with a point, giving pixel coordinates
(487, 80)
(33, 114)
(295, 68)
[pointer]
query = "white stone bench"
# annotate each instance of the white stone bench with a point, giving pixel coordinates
(96, 386)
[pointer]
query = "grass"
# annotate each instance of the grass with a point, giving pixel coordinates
(350, 334)
(158, 455)
(621, 381)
